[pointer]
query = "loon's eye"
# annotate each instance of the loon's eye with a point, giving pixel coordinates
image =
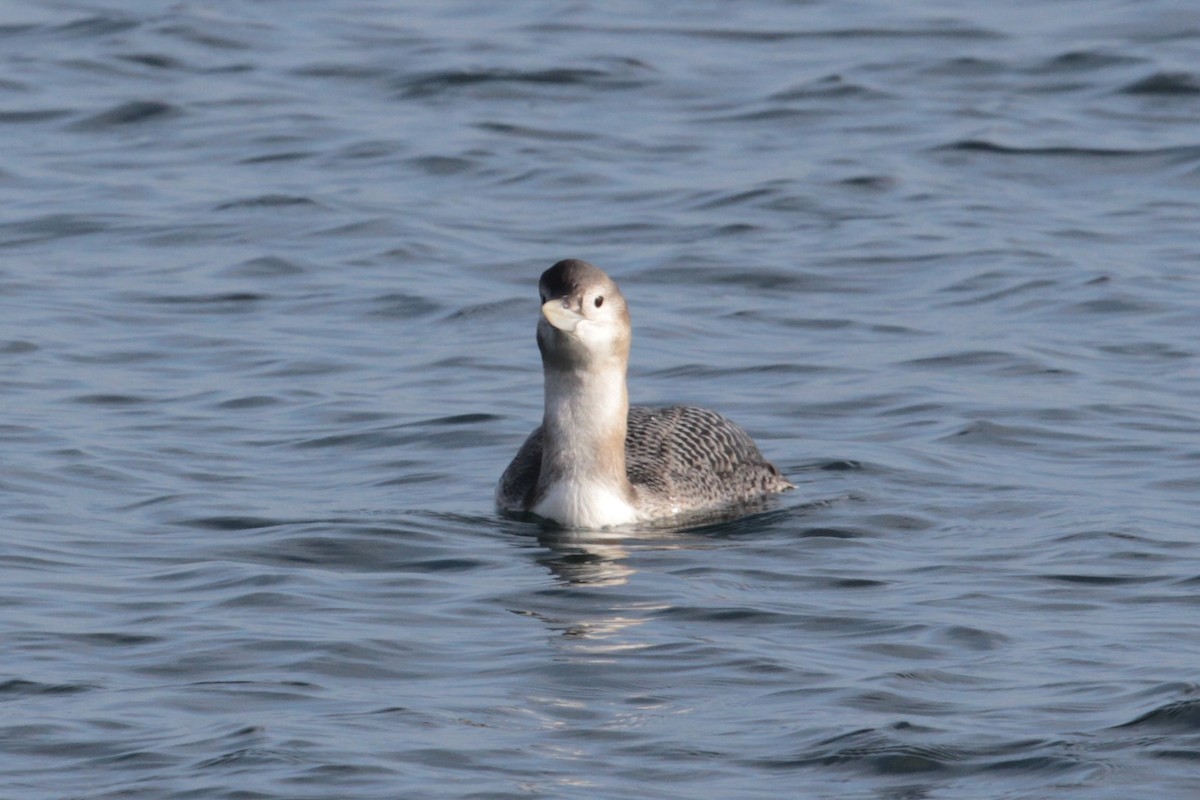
(599, 300)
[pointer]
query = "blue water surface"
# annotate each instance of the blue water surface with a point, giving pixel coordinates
(267, 300)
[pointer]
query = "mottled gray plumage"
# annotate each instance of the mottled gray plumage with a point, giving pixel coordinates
(676, 458)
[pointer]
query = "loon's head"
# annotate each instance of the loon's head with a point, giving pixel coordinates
(585, 322)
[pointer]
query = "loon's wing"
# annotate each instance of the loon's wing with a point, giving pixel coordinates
(695, 458)
(517, 484)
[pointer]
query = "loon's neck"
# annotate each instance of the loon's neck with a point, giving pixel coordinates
(584, 425)
(583, 482)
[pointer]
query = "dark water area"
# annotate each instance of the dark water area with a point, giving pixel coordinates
(267, 299)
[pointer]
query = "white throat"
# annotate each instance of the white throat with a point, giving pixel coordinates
(583, 481)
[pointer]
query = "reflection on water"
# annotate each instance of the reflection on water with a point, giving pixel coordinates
(596, 558)
(601, 557)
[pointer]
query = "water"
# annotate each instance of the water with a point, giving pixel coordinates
(268, 287)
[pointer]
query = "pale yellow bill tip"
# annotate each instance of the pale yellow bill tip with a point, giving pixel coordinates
(560, 316)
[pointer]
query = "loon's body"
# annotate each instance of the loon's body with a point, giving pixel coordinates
(595, 462)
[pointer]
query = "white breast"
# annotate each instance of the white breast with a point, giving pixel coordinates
(579, 505)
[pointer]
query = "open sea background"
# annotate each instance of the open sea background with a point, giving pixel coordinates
(267, 300)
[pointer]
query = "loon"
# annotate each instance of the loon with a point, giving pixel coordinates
(595, 462)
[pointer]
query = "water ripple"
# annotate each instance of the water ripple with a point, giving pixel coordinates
(267, 333)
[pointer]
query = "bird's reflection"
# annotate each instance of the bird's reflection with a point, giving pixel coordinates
(601, 558)
(595, 624)
(595, 558)
(600, 600)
